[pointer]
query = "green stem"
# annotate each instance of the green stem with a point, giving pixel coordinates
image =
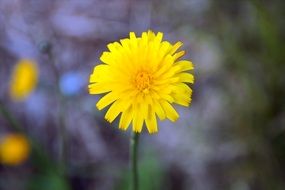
(134, 161)
(62, 151)
(14, 123)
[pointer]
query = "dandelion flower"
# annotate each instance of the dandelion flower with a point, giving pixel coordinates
(23, 79)
(14, 149)
(141, 78)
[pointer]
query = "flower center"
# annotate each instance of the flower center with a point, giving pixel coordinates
(142, 81)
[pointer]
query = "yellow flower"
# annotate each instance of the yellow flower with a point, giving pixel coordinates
(23, 80)
(141, 78)
(14, 149)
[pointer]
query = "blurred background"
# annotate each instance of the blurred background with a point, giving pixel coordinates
(231, 137)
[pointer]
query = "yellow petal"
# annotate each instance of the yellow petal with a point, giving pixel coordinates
(184, 65)
(115, 109)
(163, 82)
(100, 74)
(182, 99)
(170, 112)
(158, 37)
(186, 77)
(107, 58)
(163, 50)
(158, 110)
(107, 100)
(151, 35)
(138, 119)
(132, 36)
(175, 47)
(114, 47)
(166, 64)
(182, 88)
(99, 88)
(178, 55)
(125, 44)
(126, 118)
(150, 121)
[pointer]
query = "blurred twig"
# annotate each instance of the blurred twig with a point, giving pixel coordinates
(14, 123)
(46, 48)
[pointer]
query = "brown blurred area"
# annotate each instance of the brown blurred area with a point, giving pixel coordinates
(231, 137)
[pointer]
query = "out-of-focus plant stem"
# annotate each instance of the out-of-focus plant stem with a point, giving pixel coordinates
(62, 151)
(14, 123)
(134, 183)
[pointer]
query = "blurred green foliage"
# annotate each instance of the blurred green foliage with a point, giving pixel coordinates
(255, 60)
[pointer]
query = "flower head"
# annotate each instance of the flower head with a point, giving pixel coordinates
(14, 149)
(23, 80)
(141, 78)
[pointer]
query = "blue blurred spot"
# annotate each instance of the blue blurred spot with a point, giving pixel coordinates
(70, 83)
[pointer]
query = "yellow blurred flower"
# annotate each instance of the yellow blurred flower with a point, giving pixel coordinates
(23, 79)
(14, 149)
(142, 77)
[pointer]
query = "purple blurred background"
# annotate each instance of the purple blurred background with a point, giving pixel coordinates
(231, 137)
